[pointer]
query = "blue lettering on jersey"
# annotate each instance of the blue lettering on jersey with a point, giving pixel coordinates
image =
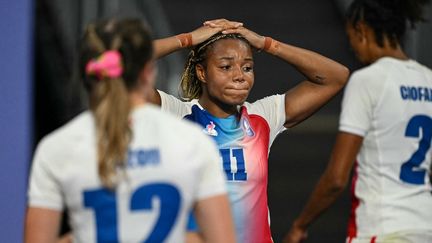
(416, 93)
(143, 157)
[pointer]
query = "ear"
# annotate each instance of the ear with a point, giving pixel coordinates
(366, 34)
(200, 73)
(360, 30)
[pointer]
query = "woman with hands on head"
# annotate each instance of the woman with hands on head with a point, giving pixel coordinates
(216, 82)
(385, 133)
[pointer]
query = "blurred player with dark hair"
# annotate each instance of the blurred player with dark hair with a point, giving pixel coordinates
(385, 132)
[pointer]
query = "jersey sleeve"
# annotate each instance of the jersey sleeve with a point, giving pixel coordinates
(44, 190)
(173, 105)
(212, 180)
(358, 102)
(272, 109)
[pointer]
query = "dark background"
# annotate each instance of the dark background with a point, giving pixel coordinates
(297, 157)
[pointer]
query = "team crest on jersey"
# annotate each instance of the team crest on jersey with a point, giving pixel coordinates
(210, 129)
(247, 127)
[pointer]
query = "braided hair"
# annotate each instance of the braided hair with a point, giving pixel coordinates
(387, 18)
(190, 85)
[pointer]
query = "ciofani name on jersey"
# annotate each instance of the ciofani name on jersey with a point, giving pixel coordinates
(416, 93)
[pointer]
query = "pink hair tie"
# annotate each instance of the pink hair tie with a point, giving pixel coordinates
(108, 64)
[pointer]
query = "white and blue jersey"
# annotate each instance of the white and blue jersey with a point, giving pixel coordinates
(171, 165)
(389, 104)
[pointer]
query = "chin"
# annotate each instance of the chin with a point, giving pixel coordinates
(236, 101)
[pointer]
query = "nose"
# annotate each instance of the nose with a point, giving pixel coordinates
(238, 74)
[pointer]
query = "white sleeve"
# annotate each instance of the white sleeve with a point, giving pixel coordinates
(44, 190)
(212, 178)
(272, 109)
(358, 102)
(174, 105)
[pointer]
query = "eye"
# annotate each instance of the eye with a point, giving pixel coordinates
(248, 69)
(225, 67)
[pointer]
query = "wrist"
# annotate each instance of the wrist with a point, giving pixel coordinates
(184, 39)
(300, 225)
(271, 46)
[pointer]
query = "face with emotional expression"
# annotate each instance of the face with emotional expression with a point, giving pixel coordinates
(227, 74)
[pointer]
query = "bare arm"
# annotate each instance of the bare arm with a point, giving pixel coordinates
(330, 185)
(42, 225)
(325, 77)
(66, 238)
(165, 46)
(214, 219)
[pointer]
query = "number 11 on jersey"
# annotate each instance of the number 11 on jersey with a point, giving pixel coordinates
(235, 171)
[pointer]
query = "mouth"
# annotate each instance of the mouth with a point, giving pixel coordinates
(237, 91)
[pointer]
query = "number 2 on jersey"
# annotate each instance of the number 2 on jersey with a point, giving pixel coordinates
(410, 171)
(104, 204)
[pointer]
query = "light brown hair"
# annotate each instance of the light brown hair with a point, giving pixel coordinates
(109, 97)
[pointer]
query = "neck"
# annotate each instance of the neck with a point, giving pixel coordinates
(389, 51)
(217, 108)
(136, 99)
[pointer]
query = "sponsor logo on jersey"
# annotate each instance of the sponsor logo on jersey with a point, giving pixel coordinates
(247, 127)
(210, 129)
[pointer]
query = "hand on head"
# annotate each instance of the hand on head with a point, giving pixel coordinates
(230, 27)
(210, 28)
(223, 23)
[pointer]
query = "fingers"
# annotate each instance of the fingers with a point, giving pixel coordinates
(233, 30)
(223, 23)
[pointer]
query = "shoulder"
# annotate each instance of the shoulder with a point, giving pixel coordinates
(371, 78)
(265, 103)
(169, 125)
(175, 105)
(426, 70)
(64, 140)
(375, 71)
(80, 126)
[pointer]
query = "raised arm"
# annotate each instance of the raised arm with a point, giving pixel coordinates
(165, 46)
(325, 77)
(329, 187)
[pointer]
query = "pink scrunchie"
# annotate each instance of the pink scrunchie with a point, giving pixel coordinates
(108, 64)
